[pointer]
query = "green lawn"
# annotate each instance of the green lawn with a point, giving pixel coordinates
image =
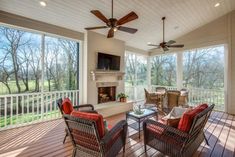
(27, 118)
(12, 85)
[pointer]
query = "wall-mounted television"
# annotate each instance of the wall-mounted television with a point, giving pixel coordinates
(108, 62)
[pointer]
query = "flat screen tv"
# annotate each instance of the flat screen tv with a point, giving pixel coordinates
(108, 62)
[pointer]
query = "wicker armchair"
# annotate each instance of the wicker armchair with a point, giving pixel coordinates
(87, 142)
(83, 108)
(173, 142)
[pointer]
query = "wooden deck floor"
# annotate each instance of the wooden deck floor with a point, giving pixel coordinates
(45, 139)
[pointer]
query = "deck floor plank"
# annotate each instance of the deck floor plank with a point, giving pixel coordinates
(213, 116)
(45, 139)
(230, 140)
(210, 134)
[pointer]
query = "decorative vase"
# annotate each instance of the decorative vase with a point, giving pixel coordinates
(137, 109)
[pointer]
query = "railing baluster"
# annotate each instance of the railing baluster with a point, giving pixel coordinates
(51, 98)
(42, 106)
(5, 113)
(46, 106)
(27, 117)
(77, 97)
(56, 109)
(11, 109)
(38, 106)
(22, 115)
(69, 95)
(74, 97)
(54, 105)
(17, 110)
(33, 108)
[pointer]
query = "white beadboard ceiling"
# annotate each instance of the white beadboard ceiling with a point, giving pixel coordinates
(75, 14)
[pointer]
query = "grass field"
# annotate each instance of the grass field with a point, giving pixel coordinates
(27, 118)
(14, 90)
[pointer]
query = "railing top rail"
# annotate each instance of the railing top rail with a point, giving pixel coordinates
(190, 88)
(37, 93)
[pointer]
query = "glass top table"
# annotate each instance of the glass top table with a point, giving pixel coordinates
(139, 118)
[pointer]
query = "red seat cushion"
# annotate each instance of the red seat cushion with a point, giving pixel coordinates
(165, 136)
(92, 116)
(187, 118)
(67, 106)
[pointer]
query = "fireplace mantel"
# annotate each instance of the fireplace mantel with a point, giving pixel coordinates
(96, 74)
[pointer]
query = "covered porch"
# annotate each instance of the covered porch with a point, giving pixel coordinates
(43, 60)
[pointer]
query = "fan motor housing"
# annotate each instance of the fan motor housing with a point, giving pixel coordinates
(112, 22)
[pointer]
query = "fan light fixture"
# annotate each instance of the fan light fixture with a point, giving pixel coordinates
(217, 4)
(43, 3)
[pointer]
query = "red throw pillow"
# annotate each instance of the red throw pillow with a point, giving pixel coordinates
(67, 106)
(92, 116)
(187, 118)
(171, 122)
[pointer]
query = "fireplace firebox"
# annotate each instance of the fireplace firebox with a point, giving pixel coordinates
(106, 94)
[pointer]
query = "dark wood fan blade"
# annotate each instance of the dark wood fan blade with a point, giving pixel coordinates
(176, 46)
(127, 29)
(98, 14)
(99, 27)
(171, 42)
(111, 33)
(165, 49)
(129, 17)
(153, 45)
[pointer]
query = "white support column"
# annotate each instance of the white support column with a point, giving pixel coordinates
(81, 73)
(227, 76)
(42, 72)
(84, 70)
(149, 73)
(179, 70)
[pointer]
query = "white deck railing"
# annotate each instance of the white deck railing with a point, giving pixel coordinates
(196, 95)
(21, 109)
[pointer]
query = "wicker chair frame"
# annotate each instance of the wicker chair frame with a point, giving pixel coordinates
(173, 142)
(92, 145)
(82, 108)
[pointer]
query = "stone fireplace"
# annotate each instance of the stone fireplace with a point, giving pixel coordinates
(106, 94)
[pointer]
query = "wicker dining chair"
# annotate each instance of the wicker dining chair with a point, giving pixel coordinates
(183, 99)
(154, 98)
(172, 100)
(161, 92)
(174, 142)
(161, 89)
(87, 142)
(82, 108)
(150, 98)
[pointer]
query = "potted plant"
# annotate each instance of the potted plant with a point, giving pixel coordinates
(122, 97)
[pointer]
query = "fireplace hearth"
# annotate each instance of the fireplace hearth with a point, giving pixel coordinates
(106, 94)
